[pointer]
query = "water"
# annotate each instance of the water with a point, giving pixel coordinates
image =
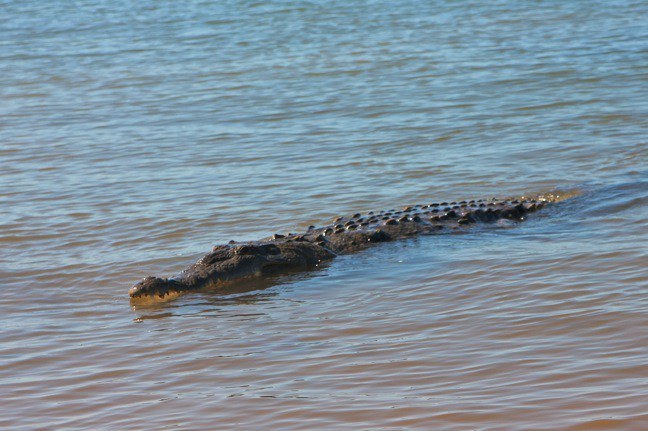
(135, 135)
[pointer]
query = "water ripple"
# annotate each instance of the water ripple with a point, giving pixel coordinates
(136, 135)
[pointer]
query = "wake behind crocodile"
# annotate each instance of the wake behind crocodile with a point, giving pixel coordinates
(230, 263)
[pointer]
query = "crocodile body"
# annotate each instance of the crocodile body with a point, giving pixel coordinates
(228, 263)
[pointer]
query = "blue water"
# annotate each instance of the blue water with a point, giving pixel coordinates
(136, 135)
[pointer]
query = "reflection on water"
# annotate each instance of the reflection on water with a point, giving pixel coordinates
(134, 136)
(243, 291)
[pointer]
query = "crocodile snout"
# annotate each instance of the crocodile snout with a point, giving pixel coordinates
(155, 286)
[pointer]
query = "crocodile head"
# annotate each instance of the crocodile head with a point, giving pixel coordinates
(152, 287)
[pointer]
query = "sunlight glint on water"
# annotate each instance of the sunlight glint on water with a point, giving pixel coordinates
(136, 135)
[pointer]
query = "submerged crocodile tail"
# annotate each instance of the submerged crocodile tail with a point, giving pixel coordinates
(231, 262)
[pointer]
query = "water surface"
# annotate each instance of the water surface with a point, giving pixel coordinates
(136, 135)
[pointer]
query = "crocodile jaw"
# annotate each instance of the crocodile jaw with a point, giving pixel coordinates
(156, 287)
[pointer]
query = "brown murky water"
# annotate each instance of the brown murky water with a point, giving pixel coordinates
(135, 135)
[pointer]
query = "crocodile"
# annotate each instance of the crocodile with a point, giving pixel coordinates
(235, 261)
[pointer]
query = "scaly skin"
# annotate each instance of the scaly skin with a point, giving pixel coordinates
(231, 262)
